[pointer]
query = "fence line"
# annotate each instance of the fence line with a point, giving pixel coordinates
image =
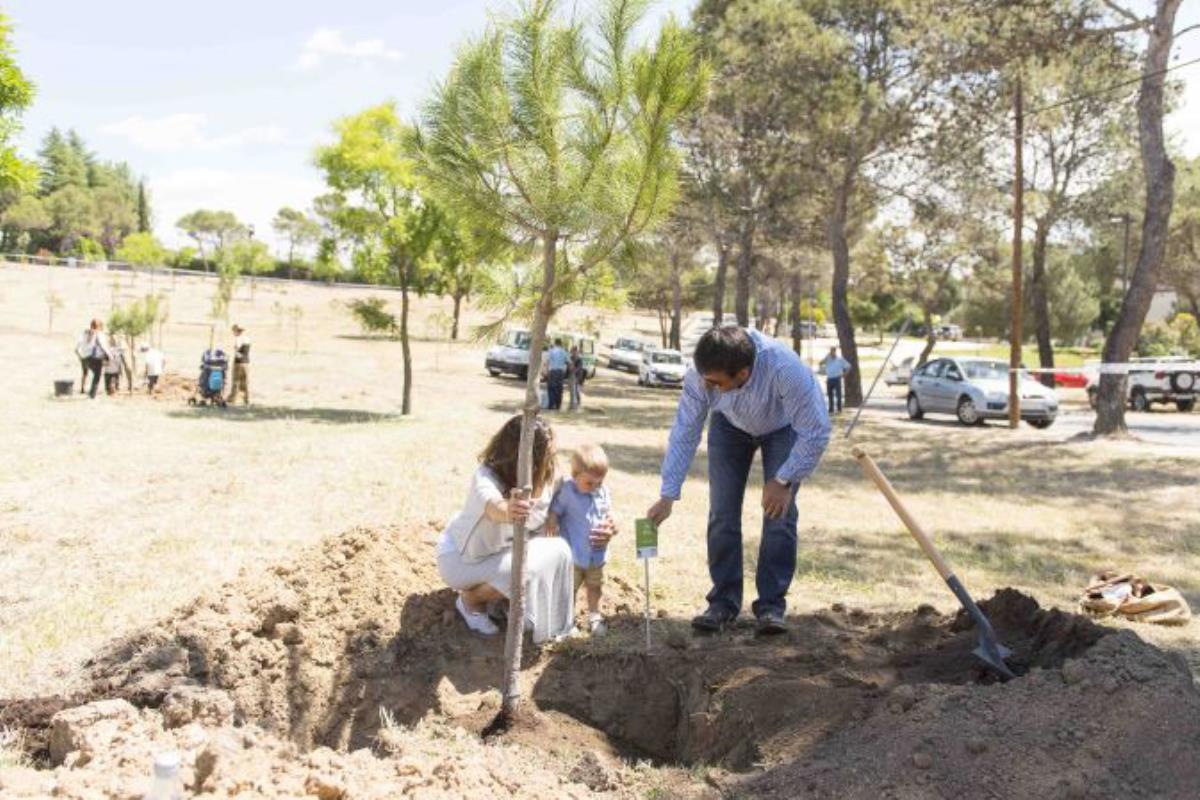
(122, 266)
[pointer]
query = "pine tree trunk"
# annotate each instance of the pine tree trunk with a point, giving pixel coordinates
(718, 307)
(406, 403)
(839, 244)
(930, 339)
(745, 268)
(1159, 174)
(510, 689)
(1041, 302)
(457, 313)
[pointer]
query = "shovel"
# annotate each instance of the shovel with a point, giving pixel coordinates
(989, 651)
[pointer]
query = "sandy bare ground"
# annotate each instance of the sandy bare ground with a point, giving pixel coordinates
(115, 511)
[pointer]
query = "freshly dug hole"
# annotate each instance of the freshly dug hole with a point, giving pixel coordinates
(735, 700)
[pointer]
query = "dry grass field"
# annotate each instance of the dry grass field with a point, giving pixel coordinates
(117, 510)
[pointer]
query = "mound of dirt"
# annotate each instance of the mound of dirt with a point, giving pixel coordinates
(346, 674)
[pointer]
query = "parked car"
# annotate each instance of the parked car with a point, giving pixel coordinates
(805, 329)
(1070, 380)
(510, 355)
(976, 389)
(949, 332)
(626, 353)
(898, 374)
(827, 330)
(1162, 379)
(661, 368)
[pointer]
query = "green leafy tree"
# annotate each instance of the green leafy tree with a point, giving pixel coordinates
(133, 322)
(61, 164)
(116, 216)
(143, 209)
(298, 229)
(253, 258)
(380, 210)
(560, 133)
(22, 219)
(372, 315)
(73, 215)
(16, 93)
(211, 230)
(141, 249)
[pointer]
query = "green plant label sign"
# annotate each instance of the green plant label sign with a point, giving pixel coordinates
(646, 538)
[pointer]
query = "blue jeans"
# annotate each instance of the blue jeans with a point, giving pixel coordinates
(833, 389)
(554, 387)
(730, 456)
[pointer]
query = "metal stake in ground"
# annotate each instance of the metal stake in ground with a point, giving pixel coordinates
(646, 541)
(990, 651)
(886, 360)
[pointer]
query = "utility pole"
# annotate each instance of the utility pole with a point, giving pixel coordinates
(1014, 356)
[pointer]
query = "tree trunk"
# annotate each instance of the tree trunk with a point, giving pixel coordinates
(930, 339)
(676, 302)
(405, 348)
(718, 308)
(1041, 302)
(510, 689)
(794, 317)
(1159, 175)
(835, 230)
(1018, 252)
(745, 268)
(458, 298)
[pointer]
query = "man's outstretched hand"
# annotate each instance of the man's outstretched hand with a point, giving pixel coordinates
(661, 509)
(775, 500)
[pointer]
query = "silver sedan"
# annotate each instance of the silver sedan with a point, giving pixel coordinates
(975, 389)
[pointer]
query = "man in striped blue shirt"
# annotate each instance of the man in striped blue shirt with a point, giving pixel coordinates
(760, 395)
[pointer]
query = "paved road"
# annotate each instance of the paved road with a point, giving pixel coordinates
(1161, 427)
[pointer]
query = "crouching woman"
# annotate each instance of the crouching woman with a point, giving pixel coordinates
(475, 550)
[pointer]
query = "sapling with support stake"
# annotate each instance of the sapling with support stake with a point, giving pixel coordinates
(556, 135)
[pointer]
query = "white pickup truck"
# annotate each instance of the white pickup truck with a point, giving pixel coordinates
(1161, 379)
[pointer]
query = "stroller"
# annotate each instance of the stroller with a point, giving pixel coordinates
(210, 387)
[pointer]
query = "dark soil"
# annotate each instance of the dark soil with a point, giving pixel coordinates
(847, 704)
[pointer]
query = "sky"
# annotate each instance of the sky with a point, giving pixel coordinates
(221, 104)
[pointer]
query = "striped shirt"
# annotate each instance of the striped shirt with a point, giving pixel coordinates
(781, 391)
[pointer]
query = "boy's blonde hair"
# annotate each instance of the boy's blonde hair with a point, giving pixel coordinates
(589, 458)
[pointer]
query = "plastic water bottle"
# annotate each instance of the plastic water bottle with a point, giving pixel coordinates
(166, 784)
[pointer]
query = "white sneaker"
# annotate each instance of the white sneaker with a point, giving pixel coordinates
(596, 625)
(477, 621)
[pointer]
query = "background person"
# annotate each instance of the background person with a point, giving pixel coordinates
(112, 368)
(155, 362)
(95, 345)
(836, 368)
(760, 396)
(577, 374)
(474, 553)
(241, 365)
(557, 362)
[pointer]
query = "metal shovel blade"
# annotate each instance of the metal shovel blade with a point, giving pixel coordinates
(989, 650)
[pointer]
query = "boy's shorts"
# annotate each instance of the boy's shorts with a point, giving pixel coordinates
(592, 576)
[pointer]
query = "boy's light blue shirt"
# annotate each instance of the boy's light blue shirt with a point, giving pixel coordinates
(578, 512)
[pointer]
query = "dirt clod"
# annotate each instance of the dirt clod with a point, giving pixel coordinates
(922, 760)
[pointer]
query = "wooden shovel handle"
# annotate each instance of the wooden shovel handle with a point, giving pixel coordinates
(869, 467)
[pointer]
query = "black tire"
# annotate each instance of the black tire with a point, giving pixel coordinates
(914, 407)
(1183, 381)
(967, 412)
(1093, 397)
(1041, 424)
(1138, 400)
(1185, 406)
(495, 373)
(523, 375)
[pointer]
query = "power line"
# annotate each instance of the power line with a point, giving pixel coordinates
(1113, 87)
